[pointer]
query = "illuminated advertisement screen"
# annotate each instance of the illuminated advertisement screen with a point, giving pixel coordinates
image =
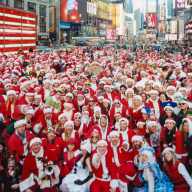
(151, 19)
(69, 11)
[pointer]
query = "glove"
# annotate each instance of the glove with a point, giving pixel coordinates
(78, 182)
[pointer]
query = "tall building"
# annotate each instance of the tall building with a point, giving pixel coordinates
(41, 8)
(151, 6)
(169, 9)
(128, 6)
(138, 19)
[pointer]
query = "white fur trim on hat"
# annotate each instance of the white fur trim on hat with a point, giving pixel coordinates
(137, 138)
(170, 120)
(30, 111)
(101, 143)
(19, 123)
(97, 109)
(11, 92)
(168, 149)
(69, 124)
(69, 95)
(47, 110)
(35, 140)
(113, 134)
(151, 123)
(168, 108)
(124, 119)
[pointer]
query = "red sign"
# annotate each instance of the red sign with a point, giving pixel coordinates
(17, 30)
(69, 11)
(151, 19)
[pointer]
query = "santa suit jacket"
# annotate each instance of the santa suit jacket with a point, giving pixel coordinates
(15, 145)
(52, 150)
(99, 171)
(178, 176)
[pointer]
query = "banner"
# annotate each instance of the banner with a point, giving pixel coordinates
(69, 11)
(151, 19)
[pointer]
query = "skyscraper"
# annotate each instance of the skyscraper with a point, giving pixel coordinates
(128, 6)
(169, 8)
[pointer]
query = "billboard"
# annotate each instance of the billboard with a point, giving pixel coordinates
(69, 11)
(179, 4)
(151, 20)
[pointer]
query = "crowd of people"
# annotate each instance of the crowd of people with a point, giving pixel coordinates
(104, 120)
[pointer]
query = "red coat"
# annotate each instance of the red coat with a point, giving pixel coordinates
(129, 134)
(113, 110)
(15, 145)
(176, 178)
(52, 150)
(136, 115)
(103, 135)
(109, 165)
(129, 174)
(150, 105)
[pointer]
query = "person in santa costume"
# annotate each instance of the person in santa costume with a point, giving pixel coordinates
(19, 140)
(70, 133)
(176, 171)
(126, 133)
(78, 179)
(59, 128)
(185, 142)
(102, 169)
(154, 103)
(38, 173)
(117, 107)
(154, 179)
(103, 127)
(52, 146)
(135, 112)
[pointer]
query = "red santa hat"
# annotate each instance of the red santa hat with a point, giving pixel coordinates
(35, 141)
(30, 92)
(20, 123)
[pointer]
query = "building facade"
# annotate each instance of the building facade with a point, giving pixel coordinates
(41, 8)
